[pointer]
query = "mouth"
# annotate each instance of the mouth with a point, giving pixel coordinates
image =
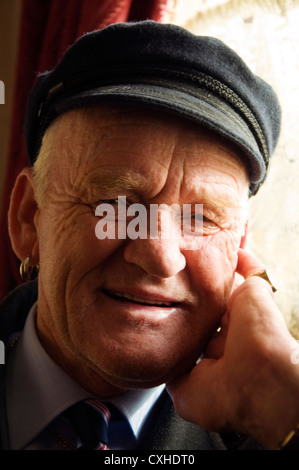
(125, 297)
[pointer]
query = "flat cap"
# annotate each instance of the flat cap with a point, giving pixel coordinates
(166, 67)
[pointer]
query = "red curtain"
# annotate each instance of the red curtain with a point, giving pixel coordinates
(47, 28)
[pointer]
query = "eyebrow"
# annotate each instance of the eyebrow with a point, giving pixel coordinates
(133, 179)
(116, 182)
(220, 203)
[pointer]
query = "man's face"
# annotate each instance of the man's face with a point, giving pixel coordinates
(135, 312)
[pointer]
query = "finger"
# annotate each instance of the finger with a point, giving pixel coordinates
(248, 263)
(198, 397)
(215, 347)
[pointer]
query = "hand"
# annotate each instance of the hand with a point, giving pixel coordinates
(246, 382)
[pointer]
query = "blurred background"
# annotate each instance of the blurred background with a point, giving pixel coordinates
(34, 34)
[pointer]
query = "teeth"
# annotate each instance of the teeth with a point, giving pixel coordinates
(143, 301)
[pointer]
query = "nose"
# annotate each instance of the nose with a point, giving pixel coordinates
(159, 254)
(157, 257)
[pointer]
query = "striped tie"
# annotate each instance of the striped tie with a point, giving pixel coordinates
(90, 419)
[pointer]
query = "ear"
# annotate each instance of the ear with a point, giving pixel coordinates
(23, 218)
(244, 236)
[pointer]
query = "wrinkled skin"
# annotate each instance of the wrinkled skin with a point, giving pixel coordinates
(120, 314)
(119, 344)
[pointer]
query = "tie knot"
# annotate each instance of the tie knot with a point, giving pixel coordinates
(90, 419)
(100, 408)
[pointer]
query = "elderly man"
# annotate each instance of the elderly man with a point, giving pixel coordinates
(150, 117)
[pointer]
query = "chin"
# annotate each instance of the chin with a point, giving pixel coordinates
(132, 374)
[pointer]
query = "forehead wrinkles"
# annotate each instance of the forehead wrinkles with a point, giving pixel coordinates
(81, 139)
(84, 133)
(90, 131)
(76, 138)
(218, 164)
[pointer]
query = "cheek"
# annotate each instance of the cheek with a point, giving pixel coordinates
(213, 266)
(68, 250)
(211, 272)
(69, 236)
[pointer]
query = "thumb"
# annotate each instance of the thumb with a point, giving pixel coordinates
(248, 263)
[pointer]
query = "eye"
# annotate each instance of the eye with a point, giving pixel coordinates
(115, 208)
(112, 202)
(195, 223)
(210, 225)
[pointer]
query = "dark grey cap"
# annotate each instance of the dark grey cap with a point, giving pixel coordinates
(165, 67)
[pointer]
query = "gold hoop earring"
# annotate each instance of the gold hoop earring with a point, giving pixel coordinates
(28, 273)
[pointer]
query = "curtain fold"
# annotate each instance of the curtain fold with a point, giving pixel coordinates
(47, 28)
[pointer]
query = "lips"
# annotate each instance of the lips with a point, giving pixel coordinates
(126, 297)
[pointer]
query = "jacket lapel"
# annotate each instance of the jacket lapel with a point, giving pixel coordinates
(165, 430)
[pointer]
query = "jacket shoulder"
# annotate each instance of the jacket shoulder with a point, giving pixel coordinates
(15, 307)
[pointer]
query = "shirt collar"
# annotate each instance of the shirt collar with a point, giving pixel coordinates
(38, 390)
(136, 404)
